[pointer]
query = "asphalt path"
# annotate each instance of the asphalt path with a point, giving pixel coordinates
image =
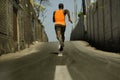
(77, 61)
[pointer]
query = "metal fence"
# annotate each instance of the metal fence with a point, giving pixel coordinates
(19, 26)
(5, 26)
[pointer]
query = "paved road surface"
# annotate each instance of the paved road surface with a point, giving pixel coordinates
(76, 62)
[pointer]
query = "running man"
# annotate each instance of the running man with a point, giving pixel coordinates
(60, 24)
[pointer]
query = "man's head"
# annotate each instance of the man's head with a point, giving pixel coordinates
(61, 6)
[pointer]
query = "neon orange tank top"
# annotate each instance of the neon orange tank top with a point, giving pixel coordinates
(60, 17)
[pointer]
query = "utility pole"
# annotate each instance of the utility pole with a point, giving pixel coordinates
(84, 7)
(75, 12)
(84, 14)
(73, 21)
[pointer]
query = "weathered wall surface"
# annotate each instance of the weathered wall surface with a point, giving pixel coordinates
(19, 26)
(103, 26)
(105, 29)
(78, 31)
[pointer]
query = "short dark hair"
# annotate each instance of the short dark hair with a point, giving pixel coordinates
(61, 6)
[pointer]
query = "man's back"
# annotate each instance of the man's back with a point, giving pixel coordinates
(59, 17)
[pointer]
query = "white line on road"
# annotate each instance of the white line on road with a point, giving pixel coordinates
(60, 54)
(62, 73)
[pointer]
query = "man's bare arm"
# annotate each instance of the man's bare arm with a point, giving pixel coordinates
(68, 14)
(54, 16)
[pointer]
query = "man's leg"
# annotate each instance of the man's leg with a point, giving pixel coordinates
(63, 33)
(58, 33)
(60, 39)
(58, 30)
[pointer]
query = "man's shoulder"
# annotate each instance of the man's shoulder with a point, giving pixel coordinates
(55, 11)
(66, 11)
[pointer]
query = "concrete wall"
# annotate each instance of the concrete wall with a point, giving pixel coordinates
(103, 24)
(78, 31)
